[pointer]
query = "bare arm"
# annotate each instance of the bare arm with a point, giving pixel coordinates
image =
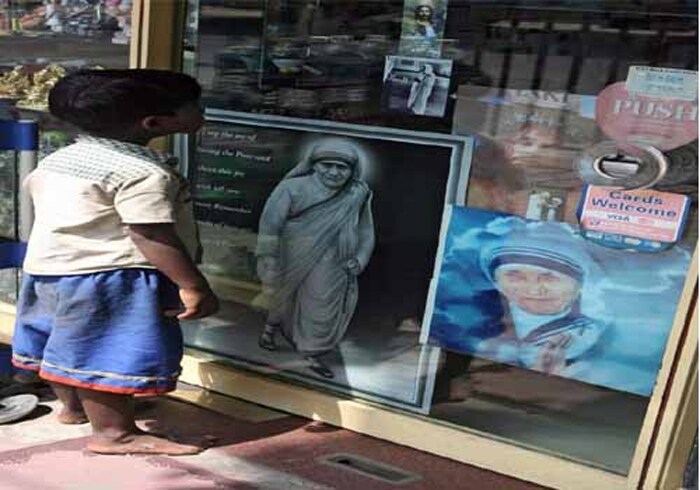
(161, 246)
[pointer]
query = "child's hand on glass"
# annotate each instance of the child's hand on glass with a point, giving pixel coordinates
(198, 303)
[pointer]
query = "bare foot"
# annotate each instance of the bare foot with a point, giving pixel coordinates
(71, 417)
(140, 444)
(203, 442)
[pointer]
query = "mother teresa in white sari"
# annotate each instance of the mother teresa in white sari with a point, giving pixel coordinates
(316, 235)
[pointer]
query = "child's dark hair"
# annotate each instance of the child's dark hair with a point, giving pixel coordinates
(107, 101)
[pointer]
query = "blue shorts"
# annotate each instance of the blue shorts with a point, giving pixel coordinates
(104, 331)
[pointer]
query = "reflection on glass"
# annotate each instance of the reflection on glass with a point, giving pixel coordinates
(317, 59)
(524, 81)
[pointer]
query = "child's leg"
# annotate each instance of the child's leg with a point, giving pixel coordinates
(111, 340)
(114, 429)
(72, 411)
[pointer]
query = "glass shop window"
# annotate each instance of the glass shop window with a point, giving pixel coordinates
(505, 210)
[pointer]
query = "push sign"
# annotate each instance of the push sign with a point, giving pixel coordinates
(637, 118)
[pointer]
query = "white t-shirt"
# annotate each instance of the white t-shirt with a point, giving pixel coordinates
(87, 193)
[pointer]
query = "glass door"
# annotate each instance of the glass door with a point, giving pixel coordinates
(550, 286)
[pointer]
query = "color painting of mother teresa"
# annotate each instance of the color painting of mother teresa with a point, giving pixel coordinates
(539, 296)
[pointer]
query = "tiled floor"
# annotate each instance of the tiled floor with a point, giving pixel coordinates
(254, 448)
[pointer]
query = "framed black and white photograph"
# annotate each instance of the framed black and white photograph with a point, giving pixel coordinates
(320, 239)
(417, 86)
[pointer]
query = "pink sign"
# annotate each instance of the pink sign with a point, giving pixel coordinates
(633, 118)
(644, 214)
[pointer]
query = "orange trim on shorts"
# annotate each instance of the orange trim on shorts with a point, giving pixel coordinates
(26, 367)
(106, 388)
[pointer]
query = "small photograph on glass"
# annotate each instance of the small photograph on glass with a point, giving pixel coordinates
(418, 86)
(546, 204)
(537, 295)
(422, 27)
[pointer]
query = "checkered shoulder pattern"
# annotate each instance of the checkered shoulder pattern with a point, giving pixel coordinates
(108, 162)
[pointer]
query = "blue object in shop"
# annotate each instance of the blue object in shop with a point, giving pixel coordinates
(19, 135)
(14, 136)
(12, 254)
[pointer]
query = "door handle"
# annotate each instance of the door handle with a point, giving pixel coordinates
(632, 166)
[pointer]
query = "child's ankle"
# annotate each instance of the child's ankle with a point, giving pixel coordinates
(72, 417)
(113, 434)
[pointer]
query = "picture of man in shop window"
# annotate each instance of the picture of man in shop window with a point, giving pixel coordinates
(425, 22)
(539, 270)
(316, 236)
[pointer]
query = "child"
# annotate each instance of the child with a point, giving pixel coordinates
(112, 245)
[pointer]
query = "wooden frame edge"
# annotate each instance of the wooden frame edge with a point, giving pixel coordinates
(226, 405)
(397, 427)
(679, 420)
(137, 26)
(158, 29)
(671, 370)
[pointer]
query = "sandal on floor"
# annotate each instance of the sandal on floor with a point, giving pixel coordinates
(13, 408)
(267, 339)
